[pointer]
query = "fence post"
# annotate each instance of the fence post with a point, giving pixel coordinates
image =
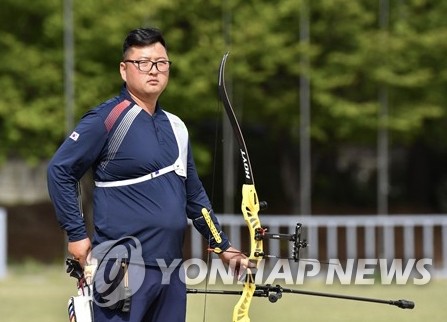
(3, 243)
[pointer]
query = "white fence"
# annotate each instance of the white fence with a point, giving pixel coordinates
(342, 237)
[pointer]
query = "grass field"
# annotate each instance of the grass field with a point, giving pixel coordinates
(39, 294)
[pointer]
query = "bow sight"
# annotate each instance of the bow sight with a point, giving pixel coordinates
(298, 244)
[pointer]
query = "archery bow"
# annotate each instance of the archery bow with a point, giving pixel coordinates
(250, 206)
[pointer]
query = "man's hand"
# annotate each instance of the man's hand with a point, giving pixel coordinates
(80, 250)
(237, 261)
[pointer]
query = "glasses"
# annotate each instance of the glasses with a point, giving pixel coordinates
(146, 65)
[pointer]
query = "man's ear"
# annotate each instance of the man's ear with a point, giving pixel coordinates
(123, 71)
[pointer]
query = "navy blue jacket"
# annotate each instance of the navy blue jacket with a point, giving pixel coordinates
(155, 211)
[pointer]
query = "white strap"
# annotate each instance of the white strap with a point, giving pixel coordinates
(126, 182)
(181, 136)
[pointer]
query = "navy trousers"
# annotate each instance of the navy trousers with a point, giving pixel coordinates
(154, 301)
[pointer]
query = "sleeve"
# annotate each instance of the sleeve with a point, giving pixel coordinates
(70, 162)
(198, 199)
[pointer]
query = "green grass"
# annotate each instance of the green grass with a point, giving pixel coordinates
(39, 293)
(35, 293)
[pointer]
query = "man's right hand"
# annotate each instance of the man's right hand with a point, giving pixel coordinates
(80, 250)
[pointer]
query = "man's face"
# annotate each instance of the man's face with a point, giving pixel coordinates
(150, 84)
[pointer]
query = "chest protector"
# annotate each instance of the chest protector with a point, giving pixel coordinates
(179, 166)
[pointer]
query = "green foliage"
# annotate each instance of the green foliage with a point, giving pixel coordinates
(351, 59)
(30, 78)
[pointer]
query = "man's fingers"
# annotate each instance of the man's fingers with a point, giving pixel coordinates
(79, 250)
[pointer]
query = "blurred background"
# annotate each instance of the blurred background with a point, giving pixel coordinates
(343, 106)
(342, 103)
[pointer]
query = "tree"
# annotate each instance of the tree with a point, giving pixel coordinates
(350, 58)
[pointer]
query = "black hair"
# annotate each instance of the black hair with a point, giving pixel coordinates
(143, 37)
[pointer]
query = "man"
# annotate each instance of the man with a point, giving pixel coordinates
(146, 182)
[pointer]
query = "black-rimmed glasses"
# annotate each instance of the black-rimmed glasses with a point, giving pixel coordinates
(146, 65)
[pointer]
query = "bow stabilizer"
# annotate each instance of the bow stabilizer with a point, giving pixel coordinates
(275, 292)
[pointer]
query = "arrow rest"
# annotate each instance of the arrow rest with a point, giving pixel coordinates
(263, 205)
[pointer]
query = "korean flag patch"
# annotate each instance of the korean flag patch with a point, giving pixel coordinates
(74, 136)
